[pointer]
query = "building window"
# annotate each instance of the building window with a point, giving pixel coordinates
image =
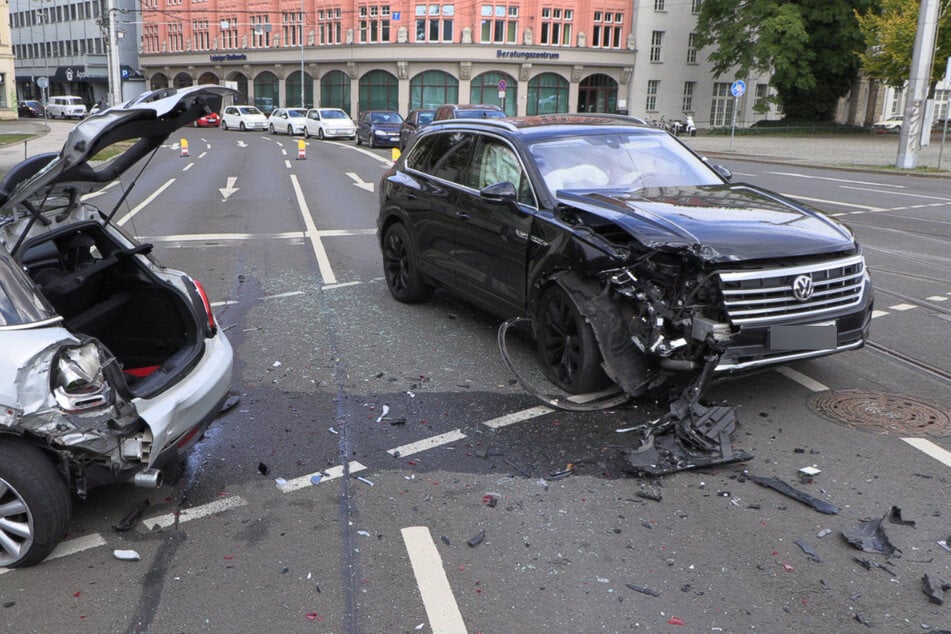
(653, 87)
(941, 105)
(695, 6)
(229, 33)
(434, 22)
(499, 24)
(375, 23)
(433, 88)
(761, 98)
(329, 26)
(660, 5)
(175, 37)
(692, 48)
(260, 31)
(201, 36)
(291, 28)
(606, 30)
(335, 90)
(687, 104)
(547, 94)
(556, 26)
(721, 106)
(657, 40)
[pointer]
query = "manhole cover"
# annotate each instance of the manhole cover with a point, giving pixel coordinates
(882, 413)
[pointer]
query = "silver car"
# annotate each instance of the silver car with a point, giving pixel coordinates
(112, 365)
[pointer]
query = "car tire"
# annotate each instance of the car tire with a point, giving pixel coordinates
(224, 124)
(34, 499)
(566, 344)
(306, 133)
(242, 127)
(401, 267)
(320, 133)
(358, 140)
(290, 131)
(270, 129)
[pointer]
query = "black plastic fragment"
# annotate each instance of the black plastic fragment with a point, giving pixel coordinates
(934, 590)
(808, 549)
(778, 485)
(133, 516)
(649, 493)
(861, 619)
(518, 468)
(869, 536)
(445, 540)
(263, 469)
(868, 565)
(476, 539)
(231, 401)
(643, 590)
(894, 516)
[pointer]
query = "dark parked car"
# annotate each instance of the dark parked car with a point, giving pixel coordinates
(414, 121)
(468, 111)
(633, 258)
(379, 128)
(30, 108)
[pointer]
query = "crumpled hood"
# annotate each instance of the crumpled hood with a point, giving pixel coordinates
(723, 222)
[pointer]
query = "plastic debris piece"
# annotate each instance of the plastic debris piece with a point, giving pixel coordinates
(397, 421)
(946, 544)
(868, 565)
(445, 540)
(518, 468)
(364, 533)
(810, 471)
(643, 590)
(675, 621)
(316, 478)
(561, 475)
(126, 555)
(787, 567)
(333, 431)
(778, 485)
(420, 626)
(133, 516)
(263, 468)
(490, 499)
(276, 364)
(861, 619)
(869, 536)
(280, 481)
(808, 549)
(649, 492)
(934, 590)
(386, 410)
(823, 532)
(230, 402)
(364, 480)
(311, 616)
(476, 539)
(894, 516)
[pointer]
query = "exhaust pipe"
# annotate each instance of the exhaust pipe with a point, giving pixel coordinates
(148, 479)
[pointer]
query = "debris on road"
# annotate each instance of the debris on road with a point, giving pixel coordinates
(133, 516)
(808, 549)
(778, 485)
(280, 482)
(806, 474)
(263, 468)
(934, 589)
(868, 565)
(649, 492)
(126, 555)
(476, 539)
(230, 402)
(823, 532)
(364, 480)
(383, 413)
(561, 475)
(643, 590)
(869, 536)
(490, 499)
(894, 516)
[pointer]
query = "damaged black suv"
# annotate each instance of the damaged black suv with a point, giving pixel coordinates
(633, 258)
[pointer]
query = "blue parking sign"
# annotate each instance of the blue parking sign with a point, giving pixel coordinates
(738, 88)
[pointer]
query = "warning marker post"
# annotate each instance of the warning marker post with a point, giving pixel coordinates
(184, 147)
(301, 150)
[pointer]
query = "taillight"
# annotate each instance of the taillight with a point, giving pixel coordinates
(212, 326)
(77, 380)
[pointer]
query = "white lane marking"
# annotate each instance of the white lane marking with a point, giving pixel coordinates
(434, 589)
(283, 152)
(383, 159)
(879, 313)
(330, 233)
(327, 474)
(142, 205)
(803, 380)
(287, 164)
(280, 295)
(359, 182)
(323, 262)
(921, 444)
(938, 298)
(229, 302)
(517, 417)
(426, 443)
(902, 307)
(101, 191)
(331, 287)
(203, 154)
(195, 512)
(835, 180)
(872, 191)
(70, 547)
(188, 167)
(229, 188)
(200, 237)
(833, 202)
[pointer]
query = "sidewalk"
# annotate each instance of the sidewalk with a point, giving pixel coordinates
(47, 137)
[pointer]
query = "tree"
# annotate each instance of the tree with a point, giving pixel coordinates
(889, 32)
(811, 48)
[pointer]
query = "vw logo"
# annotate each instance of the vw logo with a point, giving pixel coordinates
(802, 288)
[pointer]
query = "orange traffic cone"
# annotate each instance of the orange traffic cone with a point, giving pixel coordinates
(301, 150)
(184, 147)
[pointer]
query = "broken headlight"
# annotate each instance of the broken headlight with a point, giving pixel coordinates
(77, 379)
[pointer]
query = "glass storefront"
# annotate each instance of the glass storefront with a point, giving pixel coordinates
(547, 94)
(379, 90)
(433, 88)
(485, 89)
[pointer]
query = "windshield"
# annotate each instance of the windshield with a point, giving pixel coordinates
(296, 113)
(386, 117)
(425, 117)
(333, 114)
(619, 161)
(249, 110)
(19, 302)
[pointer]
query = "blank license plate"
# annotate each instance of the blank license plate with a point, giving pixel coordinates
(817, 337)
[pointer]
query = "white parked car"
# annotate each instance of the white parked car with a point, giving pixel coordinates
(66, 106)
(329, 123)
(288, 121)
(112, 366)
(243, 118)
(889, 124)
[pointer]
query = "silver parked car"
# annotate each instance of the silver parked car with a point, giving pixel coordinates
(112, 364)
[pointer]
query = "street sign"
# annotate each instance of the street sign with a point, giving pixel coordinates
(502, 85)
(42, 82)
(395, 16)
(738, 88)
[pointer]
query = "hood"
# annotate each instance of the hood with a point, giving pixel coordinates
(722, 223)
(388, 127)
(144, 123)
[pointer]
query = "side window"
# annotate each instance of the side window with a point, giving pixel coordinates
(495, 162)
(443, 156)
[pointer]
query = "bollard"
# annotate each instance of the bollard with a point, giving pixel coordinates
(184, 147)
(395, 154)
(301, 150)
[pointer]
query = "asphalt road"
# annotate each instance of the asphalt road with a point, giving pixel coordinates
(328, 365)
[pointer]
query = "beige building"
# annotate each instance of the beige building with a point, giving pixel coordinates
(8, 92)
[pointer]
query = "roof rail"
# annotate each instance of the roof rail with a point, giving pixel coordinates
(619, 117)
(500, 123)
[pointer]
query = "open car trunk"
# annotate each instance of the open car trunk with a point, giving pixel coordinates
(105, 290)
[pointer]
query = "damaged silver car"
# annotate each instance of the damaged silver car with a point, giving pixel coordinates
(634, 260)
(112, 364)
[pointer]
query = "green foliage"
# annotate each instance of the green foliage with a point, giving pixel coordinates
(809, 46)
(889, 30)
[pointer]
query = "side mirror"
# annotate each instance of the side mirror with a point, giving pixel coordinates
(722, 171)
(500, 192)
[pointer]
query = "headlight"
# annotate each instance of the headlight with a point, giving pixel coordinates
(77, 380)
(379, 132)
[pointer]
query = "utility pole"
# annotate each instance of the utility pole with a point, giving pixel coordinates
(909, 141)
(115, 76)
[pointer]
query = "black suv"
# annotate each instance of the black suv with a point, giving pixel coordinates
(633, 258)
(468, 111)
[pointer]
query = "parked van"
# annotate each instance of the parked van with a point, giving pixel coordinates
(66, 106)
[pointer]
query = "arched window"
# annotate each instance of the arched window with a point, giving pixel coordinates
(158, 81)
(379, 90)
(547, 94)
(597, 93)
(183, 80)
(266, 92)
(485, 89)
(335, 91)
(431, 89)
(292, 90)
(242, 80)
(208, 78)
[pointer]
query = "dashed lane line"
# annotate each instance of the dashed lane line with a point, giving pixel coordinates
(427, 443)
(194, 512)
(70, 547)
(803, 380)
(188, 167)
(328, 474)
(541, 410)
(434, 589)
(929, 448)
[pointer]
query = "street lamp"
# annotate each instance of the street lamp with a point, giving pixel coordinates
(302, 104)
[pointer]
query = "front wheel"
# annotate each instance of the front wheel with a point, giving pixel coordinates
(243, 127)
(401, 267)
(566, 344)
(320, 133)
(224, 125)
(306, 133)
(34, 504)
(270, 129)
(359, 141)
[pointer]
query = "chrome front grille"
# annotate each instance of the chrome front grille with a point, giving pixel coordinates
(765, 296)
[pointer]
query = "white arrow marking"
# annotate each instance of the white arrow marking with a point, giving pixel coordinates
(359, 182)
(242, 144)
(228, 189)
